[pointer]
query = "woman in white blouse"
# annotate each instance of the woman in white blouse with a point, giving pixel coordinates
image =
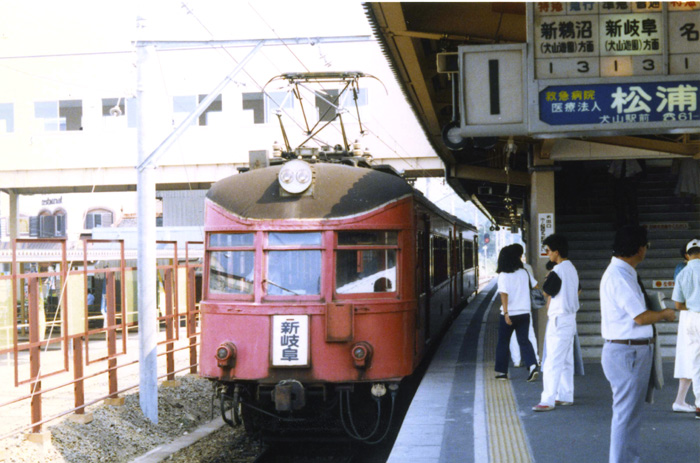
(514, 284)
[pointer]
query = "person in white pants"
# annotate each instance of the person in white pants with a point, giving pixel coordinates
(686, 295)
(558, 368)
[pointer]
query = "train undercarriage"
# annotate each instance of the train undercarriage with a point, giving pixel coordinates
(360, 411)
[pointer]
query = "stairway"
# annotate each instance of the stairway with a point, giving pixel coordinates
(587, 219)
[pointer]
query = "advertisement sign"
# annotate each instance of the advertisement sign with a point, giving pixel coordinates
(630, 104)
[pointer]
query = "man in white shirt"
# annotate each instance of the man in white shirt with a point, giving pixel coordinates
(628, 348)
(558, 367)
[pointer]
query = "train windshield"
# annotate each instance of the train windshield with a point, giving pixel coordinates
(292, 268)
(366, 262)
(231, 271)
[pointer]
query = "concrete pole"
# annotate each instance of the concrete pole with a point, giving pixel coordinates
(147, 140)
(13, 226)
(541, 201)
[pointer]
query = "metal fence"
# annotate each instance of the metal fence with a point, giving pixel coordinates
(69, 317)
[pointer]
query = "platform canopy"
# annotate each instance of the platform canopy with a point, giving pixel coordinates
(425, 43)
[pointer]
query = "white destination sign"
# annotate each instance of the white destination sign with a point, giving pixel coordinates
(290, 340)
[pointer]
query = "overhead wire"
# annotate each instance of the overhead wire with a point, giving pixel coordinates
(369, 130)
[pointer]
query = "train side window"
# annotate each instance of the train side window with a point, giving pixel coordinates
(468, 254)
(366, 262)
(440, 246)
(231, 271)
(293, 265)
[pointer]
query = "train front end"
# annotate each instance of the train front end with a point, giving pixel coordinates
(308, 312)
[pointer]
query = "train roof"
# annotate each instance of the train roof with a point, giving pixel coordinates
(338, 191)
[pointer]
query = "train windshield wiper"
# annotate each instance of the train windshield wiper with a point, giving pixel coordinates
(281, 287)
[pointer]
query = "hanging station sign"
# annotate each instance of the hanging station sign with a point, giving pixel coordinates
(619, 67)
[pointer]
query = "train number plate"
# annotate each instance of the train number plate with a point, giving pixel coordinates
(290, 340)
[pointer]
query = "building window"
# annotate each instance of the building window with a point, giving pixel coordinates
(113, 111)
(256, 103)
(264, 106)
(47, 225)
(113, 103)
(61, 116)
(212, 114)
(70, 114)
(46, 114)
(7, 118)
(183, 106)
(348, 98)
(326, 104)
(98, 218)
(132, 113)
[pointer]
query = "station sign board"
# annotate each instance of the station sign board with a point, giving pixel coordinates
(618, 67)
(624, 103)
(544, 229)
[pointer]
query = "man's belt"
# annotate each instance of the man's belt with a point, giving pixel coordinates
(631, 342)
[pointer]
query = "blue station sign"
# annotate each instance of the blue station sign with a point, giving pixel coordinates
(626, 104)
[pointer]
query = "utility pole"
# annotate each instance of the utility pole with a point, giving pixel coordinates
(146, 227)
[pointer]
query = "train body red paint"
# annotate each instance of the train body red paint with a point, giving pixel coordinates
(312, 295)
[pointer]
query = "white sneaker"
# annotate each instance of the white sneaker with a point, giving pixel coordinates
(683, 408)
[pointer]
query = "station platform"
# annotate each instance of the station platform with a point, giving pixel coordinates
(461, 413)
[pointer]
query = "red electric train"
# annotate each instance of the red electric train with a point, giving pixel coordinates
(325, 281)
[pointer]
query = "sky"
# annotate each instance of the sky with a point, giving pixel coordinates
(29, 27)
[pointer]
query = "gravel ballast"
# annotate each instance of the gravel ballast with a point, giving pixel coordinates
(122, 433)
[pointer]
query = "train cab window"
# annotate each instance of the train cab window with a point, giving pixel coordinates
(293, 264)
(366, 262)
(231, 271)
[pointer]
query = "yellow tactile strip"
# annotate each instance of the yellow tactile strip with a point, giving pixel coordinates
(507, 441)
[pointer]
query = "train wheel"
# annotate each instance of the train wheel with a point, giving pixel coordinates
(251, 421)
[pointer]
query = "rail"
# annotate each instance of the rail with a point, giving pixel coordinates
(69, 317)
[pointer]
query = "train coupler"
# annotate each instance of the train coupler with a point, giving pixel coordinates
(289, 395)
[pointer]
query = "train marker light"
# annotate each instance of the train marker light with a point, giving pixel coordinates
(378, 390)
(295, 177)
(226, 355)
(361, 354)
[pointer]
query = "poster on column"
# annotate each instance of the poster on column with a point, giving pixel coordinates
(545, 227)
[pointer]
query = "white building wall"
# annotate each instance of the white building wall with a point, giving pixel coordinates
(75, 50)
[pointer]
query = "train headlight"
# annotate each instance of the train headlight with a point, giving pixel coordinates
(361, 354)
(226, 355)
(295, 177)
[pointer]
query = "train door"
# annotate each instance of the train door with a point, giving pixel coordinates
(460, 265)
(451, 269)
(423, 287)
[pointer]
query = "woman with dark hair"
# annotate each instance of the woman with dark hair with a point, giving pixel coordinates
(515, 353)
(514, 286)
